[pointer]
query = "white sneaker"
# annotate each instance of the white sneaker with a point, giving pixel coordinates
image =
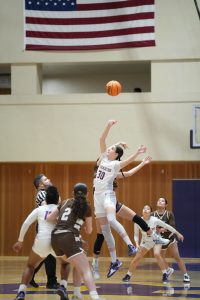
(158, 239)
(186, 286)
(170, 271)
(186, 278)
(95, 272)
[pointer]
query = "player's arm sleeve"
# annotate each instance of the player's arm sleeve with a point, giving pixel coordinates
(165, 225)
(32, 217)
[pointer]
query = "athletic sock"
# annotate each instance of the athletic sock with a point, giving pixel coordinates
(94, 295)
(129, 273)
(95, 261)
(127, 240)
(77, 292)
(63, 282)
(113, 256)
(22, 288)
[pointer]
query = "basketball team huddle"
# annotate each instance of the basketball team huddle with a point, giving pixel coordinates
(59, 227)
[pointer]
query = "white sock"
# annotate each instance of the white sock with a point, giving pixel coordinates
(164, 271)
(22, 288)
(129, 273)
(95, 261)
(63, 282)
(94, 295)
(127, 240)
(77, 292)
(113, 256)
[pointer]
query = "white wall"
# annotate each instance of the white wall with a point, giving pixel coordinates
(66, 127)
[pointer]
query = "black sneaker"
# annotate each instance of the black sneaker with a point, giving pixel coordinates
(126, 278)
(165, 278)
(20, 296)
(33, 283)
(62, 292)
(114, 267)
(52, 286)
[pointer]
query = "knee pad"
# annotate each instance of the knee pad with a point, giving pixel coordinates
(115, 224)
(98, 243)
(138, 220)
(108, 236)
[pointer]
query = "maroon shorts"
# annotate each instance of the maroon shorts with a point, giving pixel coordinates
(66, 243)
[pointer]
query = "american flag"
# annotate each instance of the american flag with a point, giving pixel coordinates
(88, 24)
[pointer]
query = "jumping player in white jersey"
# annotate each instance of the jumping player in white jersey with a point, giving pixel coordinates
(125, 213)
(104, 196)
(146, 242)
(42, 243)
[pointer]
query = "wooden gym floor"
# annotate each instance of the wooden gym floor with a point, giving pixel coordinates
(146, 283)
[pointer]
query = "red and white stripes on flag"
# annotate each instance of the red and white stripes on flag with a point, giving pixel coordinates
(89, 24)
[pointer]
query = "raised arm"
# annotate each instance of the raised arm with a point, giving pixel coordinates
(130, 159)
(104, 135)
(132, 171)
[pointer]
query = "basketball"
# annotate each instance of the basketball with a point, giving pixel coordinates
(113, 88)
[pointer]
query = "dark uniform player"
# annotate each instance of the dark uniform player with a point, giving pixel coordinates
(159, 252)
(66, 240)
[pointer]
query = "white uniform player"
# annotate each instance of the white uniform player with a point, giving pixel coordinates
(104, 196)
(147, 241)
(42, 242)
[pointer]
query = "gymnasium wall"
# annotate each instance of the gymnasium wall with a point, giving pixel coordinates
(17, 194)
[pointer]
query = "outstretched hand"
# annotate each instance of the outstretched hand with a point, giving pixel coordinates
(17, 246)
(147, 159)
(142, 149)
(180, 236)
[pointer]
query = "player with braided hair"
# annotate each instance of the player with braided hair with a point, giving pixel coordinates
(71, 215)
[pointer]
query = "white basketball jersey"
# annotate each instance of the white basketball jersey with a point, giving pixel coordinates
(106, 173)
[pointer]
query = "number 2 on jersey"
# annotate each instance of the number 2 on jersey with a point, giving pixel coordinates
(66, 214)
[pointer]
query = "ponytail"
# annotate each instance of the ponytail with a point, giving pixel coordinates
(80, 205)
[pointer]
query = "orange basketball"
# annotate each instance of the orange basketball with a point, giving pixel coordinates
(113, 88)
